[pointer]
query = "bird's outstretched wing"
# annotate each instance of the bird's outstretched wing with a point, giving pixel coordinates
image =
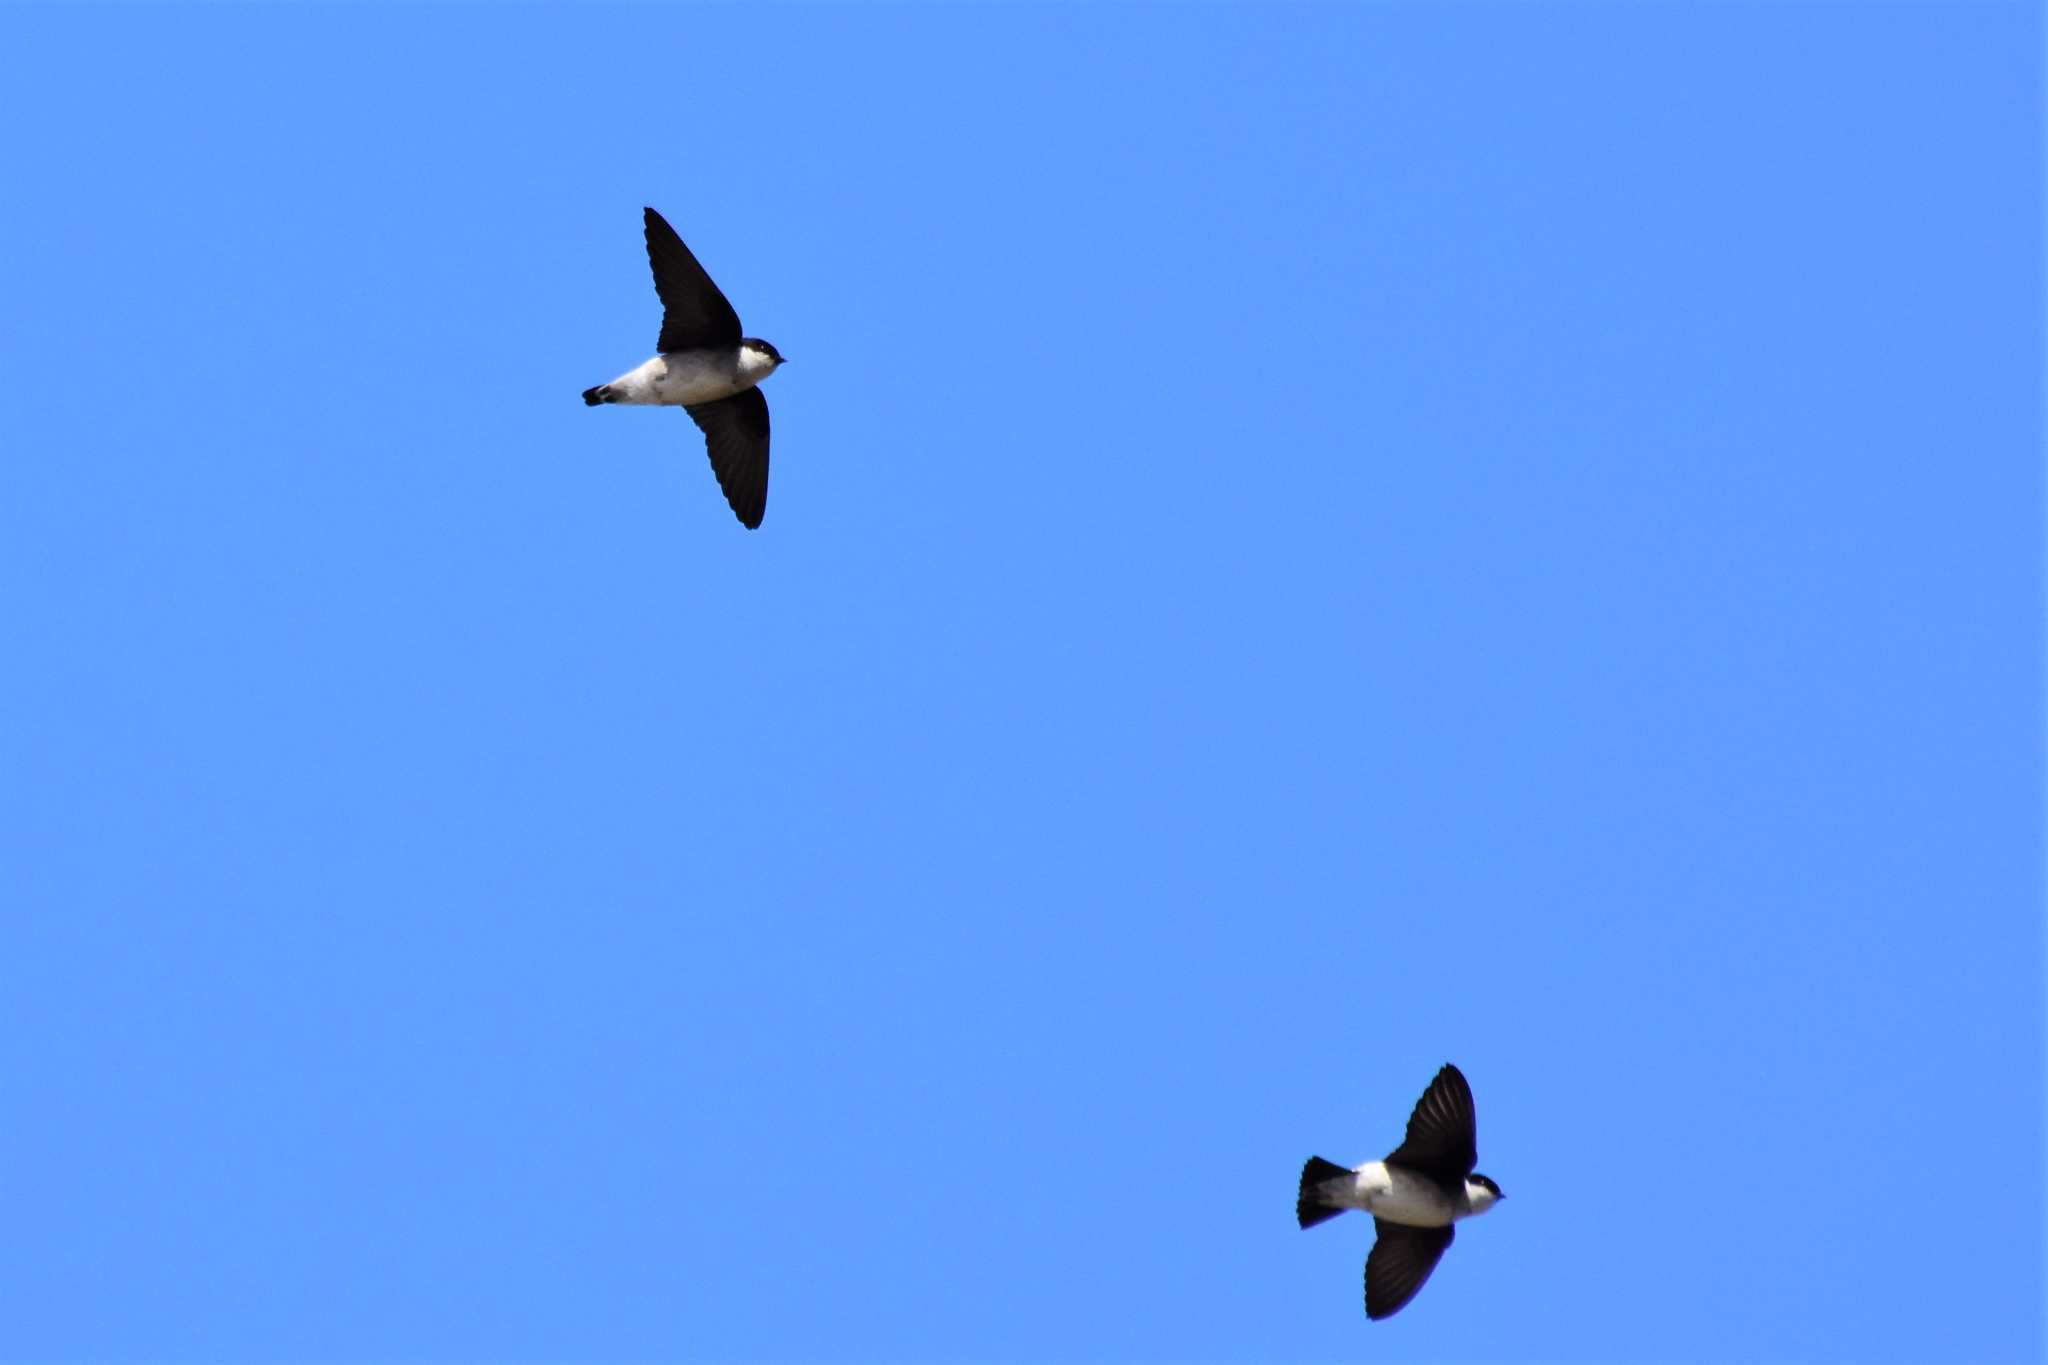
(1443, 1132)
(736, 435)
(1399, 1265)
(693, 312)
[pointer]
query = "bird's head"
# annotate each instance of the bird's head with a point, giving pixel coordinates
(1481, 1192)
(759, 358)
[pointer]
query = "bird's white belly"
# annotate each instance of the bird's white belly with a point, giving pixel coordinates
(679, 378)
(1400, 1197)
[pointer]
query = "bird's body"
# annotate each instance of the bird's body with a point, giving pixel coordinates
(1397, 1195)
(682, 378)
(1424, 1187)
(707, 368)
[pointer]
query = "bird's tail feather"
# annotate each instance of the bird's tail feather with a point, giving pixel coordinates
(600, 394)
(1309, 1206)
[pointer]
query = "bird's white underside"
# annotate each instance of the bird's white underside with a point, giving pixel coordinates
(683, 377)
(1401, 1196)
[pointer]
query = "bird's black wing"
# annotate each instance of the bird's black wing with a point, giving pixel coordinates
(1443, 1132)
(736, 433)
(1399, 1265)
(693, 312)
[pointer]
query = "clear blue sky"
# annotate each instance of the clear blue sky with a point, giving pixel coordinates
(1305, 544)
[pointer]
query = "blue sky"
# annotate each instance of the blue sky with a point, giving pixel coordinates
(1305, 543)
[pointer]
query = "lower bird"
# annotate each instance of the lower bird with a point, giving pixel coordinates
(1415, 1196)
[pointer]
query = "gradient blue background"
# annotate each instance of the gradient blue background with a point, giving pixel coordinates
(1305, 544)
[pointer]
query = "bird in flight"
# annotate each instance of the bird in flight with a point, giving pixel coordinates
(708, 369)
(1415, 1196)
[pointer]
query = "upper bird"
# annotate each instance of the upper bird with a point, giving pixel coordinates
(707, 368)
(1414, 1196)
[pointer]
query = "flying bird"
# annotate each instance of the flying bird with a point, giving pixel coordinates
(1415, 1196)
(707, 368)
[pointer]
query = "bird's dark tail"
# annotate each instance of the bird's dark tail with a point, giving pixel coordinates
(601, 394)
(1309, 1207)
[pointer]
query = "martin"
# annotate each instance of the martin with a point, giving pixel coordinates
(708, 369)
(1415, 1196)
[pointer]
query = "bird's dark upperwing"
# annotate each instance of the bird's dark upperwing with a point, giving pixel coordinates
(1443, 1132)
(736, 433)
(1399, 1265)
(693, 312)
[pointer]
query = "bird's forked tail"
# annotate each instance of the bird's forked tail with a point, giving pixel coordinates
(1309, 1206)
